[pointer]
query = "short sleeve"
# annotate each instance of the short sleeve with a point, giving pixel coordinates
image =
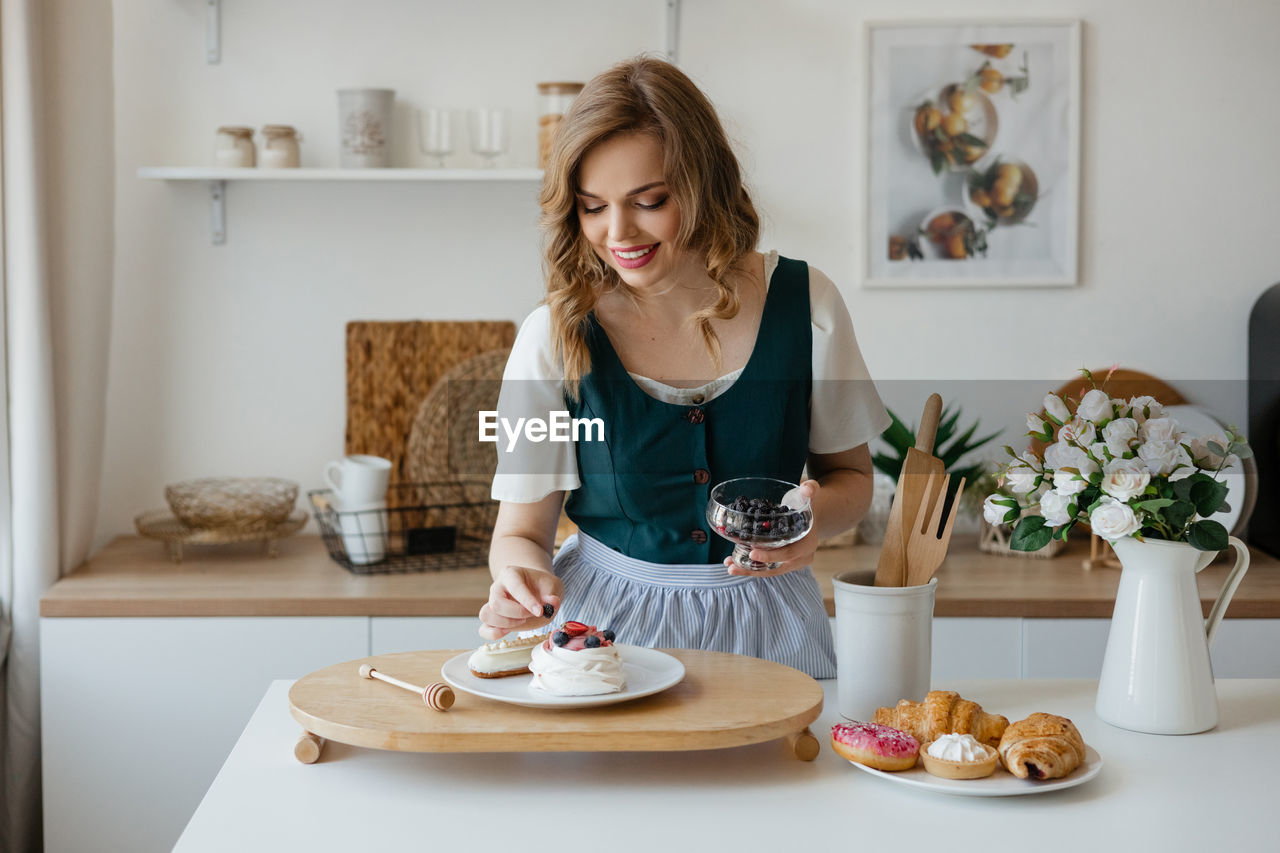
(532, 387)
(845, 410)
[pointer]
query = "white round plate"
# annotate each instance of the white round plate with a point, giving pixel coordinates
(647, 671)
(1196, 422)
(998, 784)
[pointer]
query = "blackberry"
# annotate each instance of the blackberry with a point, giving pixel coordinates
(548, 611)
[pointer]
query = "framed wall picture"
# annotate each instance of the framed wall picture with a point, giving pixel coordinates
(973, 153)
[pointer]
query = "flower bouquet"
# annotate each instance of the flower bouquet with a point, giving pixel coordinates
(1124, 467)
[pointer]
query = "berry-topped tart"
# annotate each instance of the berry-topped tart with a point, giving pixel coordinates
(577, 660)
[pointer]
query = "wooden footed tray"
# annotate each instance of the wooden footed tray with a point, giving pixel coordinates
(724, 700)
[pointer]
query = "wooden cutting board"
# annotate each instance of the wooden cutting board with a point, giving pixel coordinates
(724, 700)
(390, 368)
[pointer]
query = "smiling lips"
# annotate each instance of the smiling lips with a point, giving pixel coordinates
(634, 257)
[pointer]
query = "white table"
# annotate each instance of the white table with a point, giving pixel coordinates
(1213, 791)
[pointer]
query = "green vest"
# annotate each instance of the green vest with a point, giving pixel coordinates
(645, 487)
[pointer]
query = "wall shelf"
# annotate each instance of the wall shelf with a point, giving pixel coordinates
(216, 180)
(199, 173)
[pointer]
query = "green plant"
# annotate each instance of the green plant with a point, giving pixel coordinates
(899, 438)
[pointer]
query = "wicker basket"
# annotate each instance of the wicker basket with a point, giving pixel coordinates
(443, 447)
(232, 502)
(994, 539)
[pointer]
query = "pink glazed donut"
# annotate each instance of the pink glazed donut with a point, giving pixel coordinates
(874, 745)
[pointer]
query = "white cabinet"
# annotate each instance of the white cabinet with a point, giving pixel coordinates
(391, 634)
(139, 714)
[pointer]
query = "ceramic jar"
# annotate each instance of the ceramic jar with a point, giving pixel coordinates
(364, 127)
(233, 147)
(280, 147)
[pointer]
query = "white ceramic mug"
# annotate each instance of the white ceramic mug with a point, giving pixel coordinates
(884, 643)
(358, 481)
(364, 532)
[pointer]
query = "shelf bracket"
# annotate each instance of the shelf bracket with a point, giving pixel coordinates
(217, 212)
(673, 31)
(212, 31)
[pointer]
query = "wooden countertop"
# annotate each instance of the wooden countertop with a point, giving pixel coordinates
(132, 576)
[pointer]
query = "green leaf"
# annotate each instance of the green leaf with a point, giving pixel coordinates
(1031, 534)
(970, 140)
(938, 161)
(1153, 505)
(1244, 451)
(1207, 536)
(1216, 448)
(1208, 496)
(1177, 514)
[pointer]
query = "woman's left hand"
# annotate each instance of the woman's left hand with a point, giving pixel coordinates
(797, 555)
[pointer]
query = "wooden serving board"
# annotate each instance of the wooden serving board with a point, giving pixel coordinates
(390, 368)
(724, 700)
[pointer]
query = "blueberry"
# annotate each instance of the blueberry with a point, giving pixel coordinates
(608, 635)
(548, 611)
(592, 642)
(559, 638)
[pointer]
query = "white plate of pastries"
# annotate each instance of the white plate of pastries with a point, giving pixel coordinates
(1035, 755)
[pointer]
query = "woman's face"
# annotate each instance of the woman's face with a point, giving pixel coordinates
(626, 212)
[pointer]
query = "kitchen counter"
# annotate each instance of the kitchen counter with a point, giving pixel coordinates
(1200, 792)
(132, 576)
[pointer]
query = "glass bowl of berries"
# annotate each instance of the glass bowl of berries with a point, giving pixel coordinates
(758, 512)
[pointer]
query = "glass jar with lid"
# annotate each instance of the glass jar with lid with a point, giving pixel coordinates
(553, 102)
(280, 147)
(233, 147)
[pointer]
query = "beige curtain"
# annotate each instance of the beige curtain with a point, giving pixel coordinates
(56, 178)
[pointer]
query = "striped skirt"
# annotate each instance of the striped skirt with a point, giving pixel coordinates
(697, 606)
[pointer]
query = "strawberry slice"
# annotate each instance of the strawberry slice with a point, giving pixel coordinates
(575, 629)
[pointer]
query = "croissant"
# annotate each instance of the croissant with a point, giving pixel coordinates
(943, 712)
(1042, 746)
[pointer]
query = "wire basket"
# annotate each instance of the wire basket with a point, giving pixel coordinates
(424, 527)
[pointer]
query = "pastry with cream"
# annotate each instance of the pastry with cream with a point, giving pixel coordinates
(577, 660)
(508, 656)
(958, 756)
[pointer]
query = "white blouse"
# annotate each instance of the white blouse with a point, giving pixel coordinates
(845, 410)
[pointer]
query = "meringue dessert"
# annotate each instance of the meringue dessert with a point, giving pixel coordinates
(508, 656)
(958, 756)
(577, 660)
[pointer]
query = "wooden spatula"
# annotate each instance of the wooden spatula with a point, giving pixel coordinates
(913, 483)
(928, 538)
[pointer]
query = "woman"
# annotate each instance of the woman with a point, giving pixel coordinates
(703, 359)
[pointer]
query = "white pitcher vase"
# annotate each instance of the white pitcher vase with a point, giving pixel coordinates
(1156, 676)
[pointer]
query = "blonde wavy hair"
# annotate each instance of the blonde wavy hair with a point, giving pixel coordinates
(717, 218)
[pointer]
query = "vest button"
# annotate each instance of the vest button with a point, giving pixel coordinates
(698, 536)
(698, 398)
(701, 476)
(696, 415)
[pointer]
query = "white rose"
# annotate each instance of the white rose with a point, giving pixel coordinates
(1095, 407)
(1161, 457)
(995, 508)
(1056, 409)
(1206, 458)
(1070, 482)
(1056, 455)
(1160, 429)
(1113, 520)
(1098, 451)
(1145, 407)
(1120, 407)
(1053, 506)
(1020, 480)
(1125, 478)
(1120, 435)
(1078, 431)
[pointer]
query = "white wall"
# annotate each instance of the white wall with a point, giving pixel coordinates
(229, 359)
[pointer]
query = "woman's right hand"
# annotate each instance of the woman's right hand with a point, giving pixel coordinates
(516, 600)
